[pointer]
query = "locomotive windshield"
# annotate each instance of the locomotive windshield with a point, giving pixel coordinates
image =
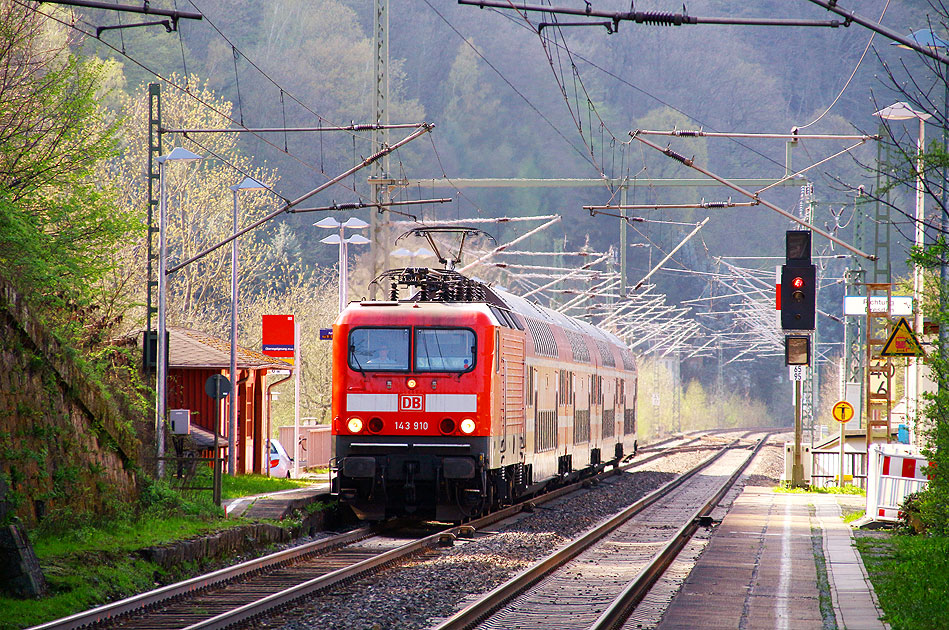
(444, 349)
(379, 349)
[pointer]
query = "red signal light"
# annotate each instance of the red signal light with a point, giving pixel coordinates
(797, 282)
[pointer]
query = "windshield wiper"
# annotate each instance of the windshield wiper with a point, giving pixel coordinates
(352, 355)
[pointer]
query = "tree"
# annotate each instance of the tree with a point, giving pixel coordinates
(200, 205)
(58, 221)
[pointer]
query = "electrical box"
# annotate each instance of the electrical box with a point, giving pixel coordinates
(180, 421)
(806, 459)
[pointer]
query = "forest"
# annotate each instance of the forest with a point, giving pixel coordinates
(507, 99)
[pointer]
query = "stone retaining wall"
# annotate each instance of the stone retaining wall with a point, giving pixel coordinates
(65, 444)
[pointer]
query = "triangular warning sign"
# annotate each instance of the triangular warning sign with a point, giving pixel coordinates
(902, 342)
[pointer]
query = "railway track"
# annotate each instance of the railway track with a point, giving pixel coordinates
(240, 593)
(596, 581)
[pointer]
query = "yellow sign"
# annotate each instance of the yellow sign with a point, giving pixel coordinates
(902, 342)
(842, 412)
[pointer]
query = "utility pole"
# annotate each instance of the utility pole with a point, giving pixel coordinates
(380, 171)
(154, 150)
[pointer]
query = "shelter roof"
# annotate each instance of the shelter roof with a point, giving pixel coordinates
(193, 348)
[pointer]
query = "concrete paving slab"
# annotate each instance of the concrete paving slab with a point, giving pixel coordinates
(758, 571)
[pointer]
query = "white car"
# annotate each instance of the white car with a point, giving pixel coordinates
(281, 464)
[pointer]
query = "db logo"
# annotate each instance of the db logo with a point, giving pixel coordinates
(410, 403)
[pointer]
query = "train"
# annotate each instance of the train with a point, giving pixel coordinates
(464, 397)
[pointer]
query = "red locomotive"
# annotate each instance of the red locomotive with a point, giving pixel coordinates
(464, 397)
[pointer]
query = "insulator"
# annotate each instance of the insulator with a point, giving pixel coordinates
(678, 157)
(393, 291)
(688, 133)
(661, 19)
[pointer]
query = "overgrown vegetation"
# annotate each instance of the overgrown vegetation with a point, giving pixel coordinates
(90, 562)
(910, 575)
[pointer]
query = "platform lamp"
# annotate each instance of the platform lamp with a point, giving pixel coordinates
(175, 155)
(341, 240)
(248, 183)
(903, 111)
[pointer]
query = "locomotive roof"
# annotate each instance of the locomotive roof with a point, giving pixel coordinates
(443, 285)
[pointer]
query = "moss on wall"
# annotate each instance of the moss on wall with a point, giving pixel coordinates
(67, 448)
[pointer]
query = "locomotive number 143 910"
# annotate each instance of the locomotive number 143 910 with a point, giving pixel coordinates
(418, 425)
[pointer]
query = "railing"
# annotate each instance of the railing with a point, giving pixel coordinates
(825, 467)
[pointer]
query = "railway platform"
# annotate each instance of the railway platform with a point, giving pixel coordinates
(762, 570)
(277, 505)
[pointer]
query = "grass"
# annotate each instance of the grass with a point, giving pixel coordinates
(910, 575)
(89, 562)
(847, 489)
(246, 485)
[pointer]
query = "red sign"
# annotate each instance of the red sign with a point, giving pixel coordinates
(277, 338)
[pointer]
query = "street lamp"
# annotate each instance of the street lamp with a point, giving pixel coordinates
(342, 241)
(248, 183)
(176, 155)
(902, 111)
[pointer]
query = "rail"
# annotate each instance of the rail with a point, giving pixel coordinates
(249, 610)
(477, 611)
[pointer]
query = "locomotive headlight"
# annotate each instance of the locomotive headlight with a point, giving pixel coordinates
(411, 383)
(354, 425)
(467, 426)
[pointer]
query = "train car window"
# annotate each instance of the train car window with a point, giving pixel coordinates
(444, 349)
(509, 317)
(379, 349)
(499, 315)
(515, 322)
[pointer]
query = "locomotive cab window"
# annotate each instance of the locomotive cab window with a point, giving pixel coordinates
(444, 349)
(379, 349)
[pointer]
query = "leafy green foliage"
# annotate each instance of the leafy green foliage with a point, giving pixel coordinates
(57, 222)
(932, 502)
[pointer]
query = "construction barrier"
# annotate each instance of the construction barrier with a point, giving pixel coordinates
(896, 470)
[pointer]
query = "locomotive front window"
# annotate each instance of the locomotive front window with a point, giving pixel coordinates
(379, 349)
(444, 349)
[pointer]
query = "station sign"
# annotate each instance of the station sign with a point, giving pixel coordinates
(900, 305)
(277, 338)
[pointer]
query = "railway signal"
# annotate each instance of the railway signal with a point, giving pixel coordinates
(798, 283)
(797, 350)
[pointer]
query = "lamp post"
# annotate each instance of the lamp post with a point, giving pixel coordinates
(161, 372)
(926, 37)
(341, 240)
(902, 111)
(247, 183)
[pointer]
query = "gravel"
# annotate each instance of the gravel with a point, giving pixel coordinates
(434, 585)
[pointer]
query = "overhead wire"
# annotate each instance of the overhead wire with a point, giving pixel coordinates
(183, 89)
(506, 80)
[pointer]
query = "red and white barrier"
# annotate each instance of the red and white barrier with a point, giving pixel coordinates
(895, 471)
